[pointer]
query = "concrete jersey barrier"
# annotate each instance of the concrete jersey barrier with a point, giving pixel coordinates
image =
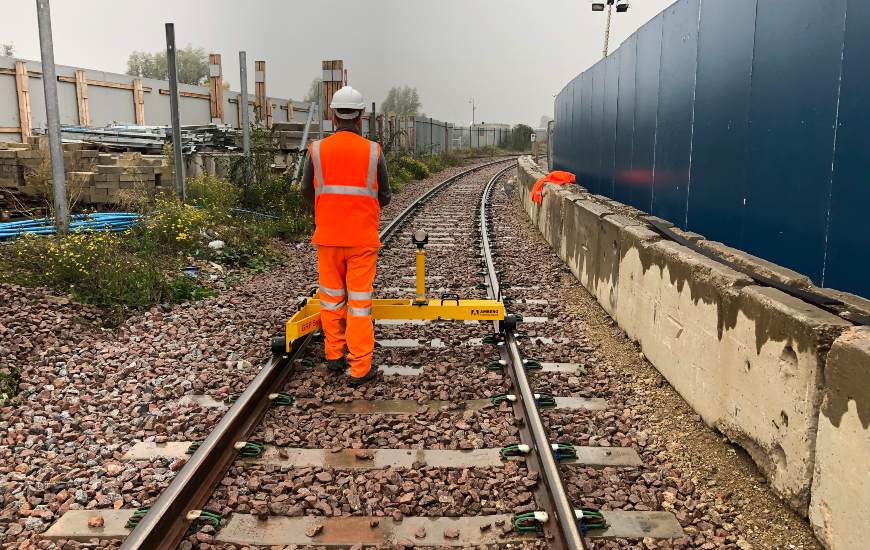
(787, 381)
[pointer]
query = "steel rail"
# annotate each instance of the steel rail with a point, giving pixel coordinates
(166, 522)
(563, 533)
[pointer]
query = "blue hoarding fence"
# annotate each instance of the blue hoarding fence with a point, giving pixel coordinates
(742, 120)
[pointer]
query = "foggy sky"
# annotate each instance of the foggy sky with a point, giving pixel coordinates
(512, 56)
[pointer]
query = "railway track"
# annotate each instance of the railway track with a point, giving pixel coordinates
(449, 448)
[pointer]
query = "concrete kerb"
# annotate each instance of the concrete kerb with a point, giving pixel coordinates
(772, 356)
(749, 359)
(840, 504)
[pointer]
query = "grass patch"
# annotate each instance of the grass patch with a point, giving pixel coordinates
(406, 167)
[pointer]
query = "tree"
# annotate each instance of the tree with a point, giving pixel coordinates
(313, 95)
(8, 49)
(403, 101)
(545, 120)
(192, 65)
(521, 138)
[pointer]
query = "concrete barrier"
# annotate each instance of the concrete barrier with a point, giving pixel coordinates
(749, 359)
(840, 506)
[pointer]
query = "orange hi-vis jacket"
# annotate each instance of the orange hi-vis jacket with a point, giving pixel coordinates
(557, 177)
(346, 208)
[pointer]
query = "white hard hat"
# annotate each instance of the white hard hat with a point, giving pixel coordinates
(347, 98)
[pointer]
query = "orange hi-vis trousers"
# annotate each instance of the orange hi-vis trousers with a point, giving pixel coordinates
(347, 276)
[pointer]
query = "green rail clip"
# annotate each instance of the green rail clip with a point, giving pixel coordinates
(589, 519)
(194, 445)
(136, 517)
(281, 399)
(563, 451)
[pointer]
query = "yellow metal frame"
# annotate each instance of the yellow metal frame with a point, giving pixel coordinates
(307, 319)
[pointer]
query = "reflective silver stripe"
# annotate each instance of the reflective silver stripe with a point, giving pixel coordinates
(332, 291)
(348, 190)
(359, 311)
(353, 295)
(318, 170)
(330, 306)
(373, 165)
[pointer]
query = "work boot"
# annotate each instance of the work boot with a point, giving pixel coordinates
(354, 382)
(336, 366)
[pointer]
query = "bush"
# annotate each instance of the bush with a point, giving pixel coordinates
(414, 167)
(213, 193)
(173, 228)
(95, 268)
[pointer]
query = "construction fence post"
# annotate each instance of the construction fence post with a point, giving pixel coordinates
(22, 89)
(52, 115)
(216, 91)
(82, 98)
(245, 122)
(177, 152)
(373, 124)
(262, 104)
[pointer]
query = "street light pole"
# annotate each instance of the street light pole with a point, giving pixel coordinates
(607, 28)
(621, 7)
(471, 128)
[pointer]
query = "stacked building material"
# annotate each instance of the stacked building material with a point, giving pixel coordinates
(288, 135)
(92, 177)
(151, 139)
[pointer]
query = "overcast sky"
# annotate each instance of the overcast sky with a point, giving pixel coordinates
(512, 56)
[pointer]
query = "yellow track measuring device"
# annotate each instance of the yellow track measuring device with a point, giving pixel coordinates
(446, 308)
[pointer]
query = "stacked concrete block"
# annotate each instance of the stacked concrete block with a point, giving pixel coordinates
(93, 177)
(780, 377)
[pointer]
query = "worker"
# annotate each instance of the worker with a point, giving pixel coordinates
(345, 178)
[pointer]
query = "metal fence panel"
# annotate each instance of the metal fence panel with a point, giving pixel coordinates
(721, 128)
(649, 47)
(625, 121)
(792, 114)
(587, 159)
(676, 89)
(848, 255)
(608, 133)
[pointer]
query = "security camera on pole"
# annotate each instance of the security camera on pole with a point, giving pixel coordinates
(621, 7)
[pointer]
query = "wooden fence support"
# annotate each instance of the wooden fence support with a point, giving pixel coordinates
(22, 87)
(216, 93)
(262, 104)
(382, 127)
(333, 80)
(138, 101)
(82, 98)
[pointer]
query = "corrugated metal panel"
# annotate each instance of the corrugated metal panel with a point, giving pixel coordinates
(596, 139)
(676, 92)
(718, 176)
(608, 133)
(848, 258)
(795, 79)
(622, 184)
(649, 47)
